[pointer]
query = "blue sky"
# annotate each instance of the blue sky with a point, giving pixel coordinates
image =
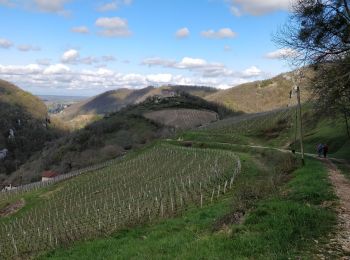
(81, 47)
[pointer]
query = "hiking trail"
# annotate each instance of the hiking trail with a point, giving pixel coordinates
(340, 242)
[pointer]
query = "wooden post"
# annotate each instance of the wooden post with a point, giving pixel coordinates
(301, 127)
(347, 123)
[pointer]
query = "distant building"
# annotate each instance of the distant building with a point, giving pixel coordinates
(8, 188)
(168, 93)
(48, 175)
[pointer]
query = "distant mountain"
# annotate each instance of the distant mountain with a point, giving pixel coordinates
(60, 99)
(23, 128)
(259, 96)
(114, 100)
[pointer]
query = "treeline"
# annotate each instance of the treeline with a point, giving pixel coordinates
(180, 100)
(22, 135)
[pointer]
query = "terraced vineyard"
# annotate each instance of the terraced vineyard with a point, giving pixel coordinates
(182, 118)
(251, 122)
(157, 183)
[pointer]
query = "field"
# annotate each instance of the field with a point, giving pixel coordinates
(182, 119)
(281, 223)
(139, 189)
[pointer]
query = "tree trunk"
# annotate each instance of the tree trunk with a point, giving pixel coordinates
(347, 124)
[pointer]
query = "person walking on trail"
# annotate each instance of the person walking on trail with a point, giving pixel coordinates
(325, 151)
(320, 149)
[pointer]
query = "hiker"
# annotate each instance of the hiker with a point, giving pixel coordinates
(320, 149)
(11, 134)
(3, 153)
(325, 150)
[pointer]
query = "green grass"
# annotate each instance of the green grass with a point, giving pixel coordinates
(278, 226)
(344, 168)
(330, 131)
(275, 130)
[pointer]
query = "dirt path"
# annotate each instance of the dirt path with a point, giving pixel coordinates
(12, 208)
(341, 241)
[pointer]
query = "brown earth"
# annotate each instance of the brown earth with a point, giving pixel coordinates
(12, 208)
(340, 242)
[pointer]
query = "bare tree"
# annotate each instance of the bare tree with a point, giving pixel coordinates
(319, 31)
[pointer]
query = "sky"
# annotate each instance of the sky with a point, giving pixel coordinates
(86, 47)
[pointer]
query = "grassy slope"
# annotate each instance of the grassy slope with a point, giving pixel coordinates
(268, 130)
(256, 96)
(279, 226)
(14, 96)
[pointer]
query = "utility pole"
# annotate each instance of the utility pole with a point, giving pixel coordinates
(301, 126)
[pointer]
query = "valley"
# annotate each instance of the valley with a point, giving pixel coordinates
(211, 172)
(133, 129)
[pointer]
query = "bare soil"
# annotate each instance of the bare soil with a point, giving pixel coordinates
(340, 242)
(12, 208)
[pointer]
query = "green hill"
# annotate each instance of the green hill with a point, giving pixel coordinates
(114, 100)
(26, 115)
(259, 96)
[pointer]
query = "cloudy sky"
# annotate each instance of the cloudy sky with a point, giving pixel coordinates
(85, 47)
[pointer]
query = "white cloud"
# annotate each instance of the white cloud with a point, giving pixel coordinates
(284, 53)
(203, 68)
(108, 58)
(104, 72)
(156, 61)
(111, 6)
(80, 29)
(159, 78)
(8, 3)
(4, 43)
(227, 48)
(252, 72)
(259, 7)
(51, 6)
(70, 56)
(197, 65)
(73, 57)
(20, 70)
(187, 62)
(28, 47)
(61, 76)
(182, 33)
(48, 6)
(223, 33)
(113, 27)
(87, 60)
(56, 69)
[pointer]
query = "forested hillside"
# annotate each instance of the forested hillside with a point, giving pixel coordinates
(24, 127)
